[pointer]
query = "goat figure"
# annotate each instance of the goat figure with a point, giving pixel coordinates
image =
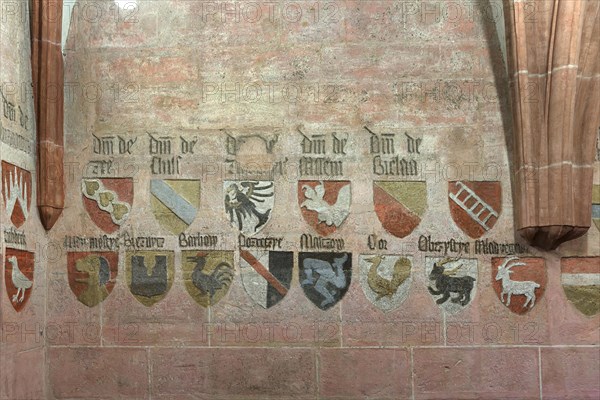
(445, 283)
(510, 287)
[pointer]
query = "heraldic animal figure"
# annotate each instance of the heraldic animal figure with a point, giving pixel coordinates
(209, 284)
(526, 288)
(331, 277)
(387, 287)
(242, 202)
(330, 214)
(98, 275)
(446, 283)
(21, 282)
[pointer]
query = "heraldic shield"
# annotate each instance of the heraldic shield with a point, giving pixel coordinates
(519, 282)
(580, 278)
(596, 206)
(325, 277)
(16, 193)
(92, 275)
(400, 205)
(266, 275)
(107, 201)
(385, 279)
(325, 205)
(208, 274)
(175, 202)
(249, 204)
(149, 274)
(452, 282)
(18, 276)
(475, 206)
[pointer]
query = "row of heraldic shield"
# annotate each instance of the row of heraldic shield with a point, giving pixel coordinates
(475, 206)
(325, 205)
(325, 277)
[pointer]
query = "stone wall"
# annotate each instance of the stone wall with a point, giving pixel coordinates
(185, 118)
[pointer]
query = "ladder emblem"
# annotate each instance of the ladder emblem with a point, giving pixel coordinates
(475, 206)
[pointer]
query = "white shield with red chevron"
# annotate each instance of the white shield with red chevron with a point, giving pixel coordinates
(266, 275)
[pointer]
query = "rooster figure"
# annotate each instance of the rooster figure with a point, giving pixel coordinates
(20, 281)
(210, 283)
(387, 287)
(331, 214)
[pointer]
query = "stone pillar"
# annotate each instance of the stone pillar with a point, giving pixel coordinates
(554, 66)
(48, 89)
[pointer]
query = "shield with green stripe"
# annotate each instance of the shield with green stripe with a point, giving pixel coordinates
(596, 205)
(580, 278)
(175, 202)
(400, 205)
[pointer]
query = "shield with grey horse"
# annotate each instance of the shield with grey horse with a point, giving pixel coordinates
(325, 277)
(452, 282)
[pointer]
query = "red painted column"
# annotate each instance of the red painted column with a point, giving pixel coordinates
(554, 67)
(47, 73)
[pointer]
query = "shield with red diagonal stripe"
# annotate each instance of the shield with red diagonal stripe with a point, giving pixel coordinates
(475, 205)
(400, 205)
(580, 278)
(266, 275)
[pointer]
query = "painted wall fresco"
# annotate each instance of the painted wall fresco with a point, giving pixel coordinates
(311, 203)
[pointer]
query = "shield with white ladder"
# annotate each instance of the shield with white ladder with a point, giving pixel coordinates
(475, 206)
